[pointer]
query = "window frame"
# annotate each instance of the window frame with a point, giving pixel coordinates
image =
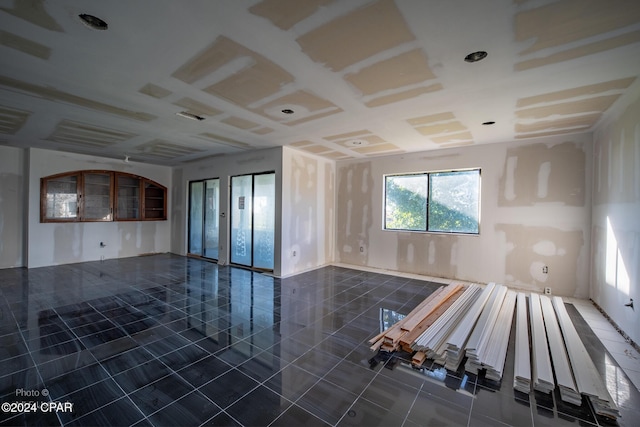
(427, 177)
(81, 191)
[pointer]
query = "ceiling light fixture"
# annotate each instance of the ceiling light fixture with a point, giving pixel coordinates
(287, 111)
(476, 56)
(189, 116)
(489, 123)
(93, 22)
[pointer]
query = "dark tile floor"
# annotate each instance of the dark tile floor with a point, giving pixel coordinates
(167, 340)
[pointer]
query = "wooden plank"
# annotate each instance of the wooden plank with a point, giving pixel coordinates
(482, 330)
(458, 338)
(542, 375)
(430, 307)
(588, 380)
(394, 335)
(522, 367)
(418, 358)
(561, 368)
(460, 335)
(433, 296)
(433, 340)
(409, 338)
(376, 346)
(495, 354)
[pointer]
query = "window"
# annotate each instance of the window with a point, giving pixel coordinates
(447, 202)
(101, 196)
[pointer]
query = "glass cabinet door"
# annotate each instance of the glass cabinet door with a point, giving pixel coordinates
(96, 196)
(128, 196)
(61, 198)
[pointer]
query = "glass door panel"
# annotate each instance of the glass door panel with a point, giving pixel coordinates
(264, 218)
(253, 220)
(196, 217)
(211, 221)
(204, 209)
(241, 219)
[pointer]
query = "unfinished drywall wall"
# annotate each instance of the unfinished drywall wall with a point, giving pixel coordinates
(56, 243)
(308, 205)
(615, 248)
(550, 247)
(544, 174)
(535, 212)
(224, 167)
(354, 221)
(12, 193)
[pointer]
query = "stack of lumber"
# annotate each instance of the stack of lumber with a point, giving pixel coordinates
(479, 338)
(433, 342)
(588, 380)
(494, 355)
(542, 373)
(561, 367)
(402, 333)
(458, 321)
(458, 338)
(522, 368)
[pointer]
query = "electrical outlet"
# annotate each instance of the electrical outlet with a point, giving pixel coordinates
(294, 253)
(361, 248)
(545, 270)
(547, 291)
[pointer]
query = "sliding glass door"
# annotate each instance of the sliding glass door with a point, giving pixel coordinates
(253, 220)
(204, 207)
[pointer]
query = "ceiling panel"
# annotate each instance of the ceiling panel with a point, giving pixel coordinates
(87, 135)
(12, 120)
(353, 78)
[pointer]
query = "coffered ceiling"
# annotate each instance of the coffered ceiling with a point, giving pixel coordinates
(337, 78)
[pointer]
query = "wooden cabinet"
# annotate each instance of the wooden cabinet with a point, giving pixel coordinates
(101, 196)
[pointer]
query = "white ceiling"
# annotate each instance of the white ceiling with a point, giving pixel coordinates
(364, 78)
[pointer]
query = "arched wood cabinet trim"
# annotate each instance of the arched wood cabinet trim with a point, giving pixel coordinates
(99, 195)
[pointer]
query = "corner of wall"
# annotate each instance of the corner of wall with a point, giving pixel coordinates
(615, 248)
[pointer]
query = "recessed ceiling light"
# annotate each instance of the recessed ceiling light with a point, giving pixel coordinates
(488, 123)
(476, 56)
(93, 22)
(188, 115)
(287, 111)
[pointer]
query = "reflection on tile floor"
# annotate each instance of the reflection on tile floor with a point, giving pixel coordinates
(168, 340)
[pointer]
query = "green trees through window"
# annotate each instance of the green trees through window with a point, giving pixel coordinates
(439, 201)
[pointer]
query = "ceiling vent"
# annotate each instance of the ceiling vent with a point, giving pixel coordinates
(356, 143)
(476, 56)
(93, 22)
(189, 116)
